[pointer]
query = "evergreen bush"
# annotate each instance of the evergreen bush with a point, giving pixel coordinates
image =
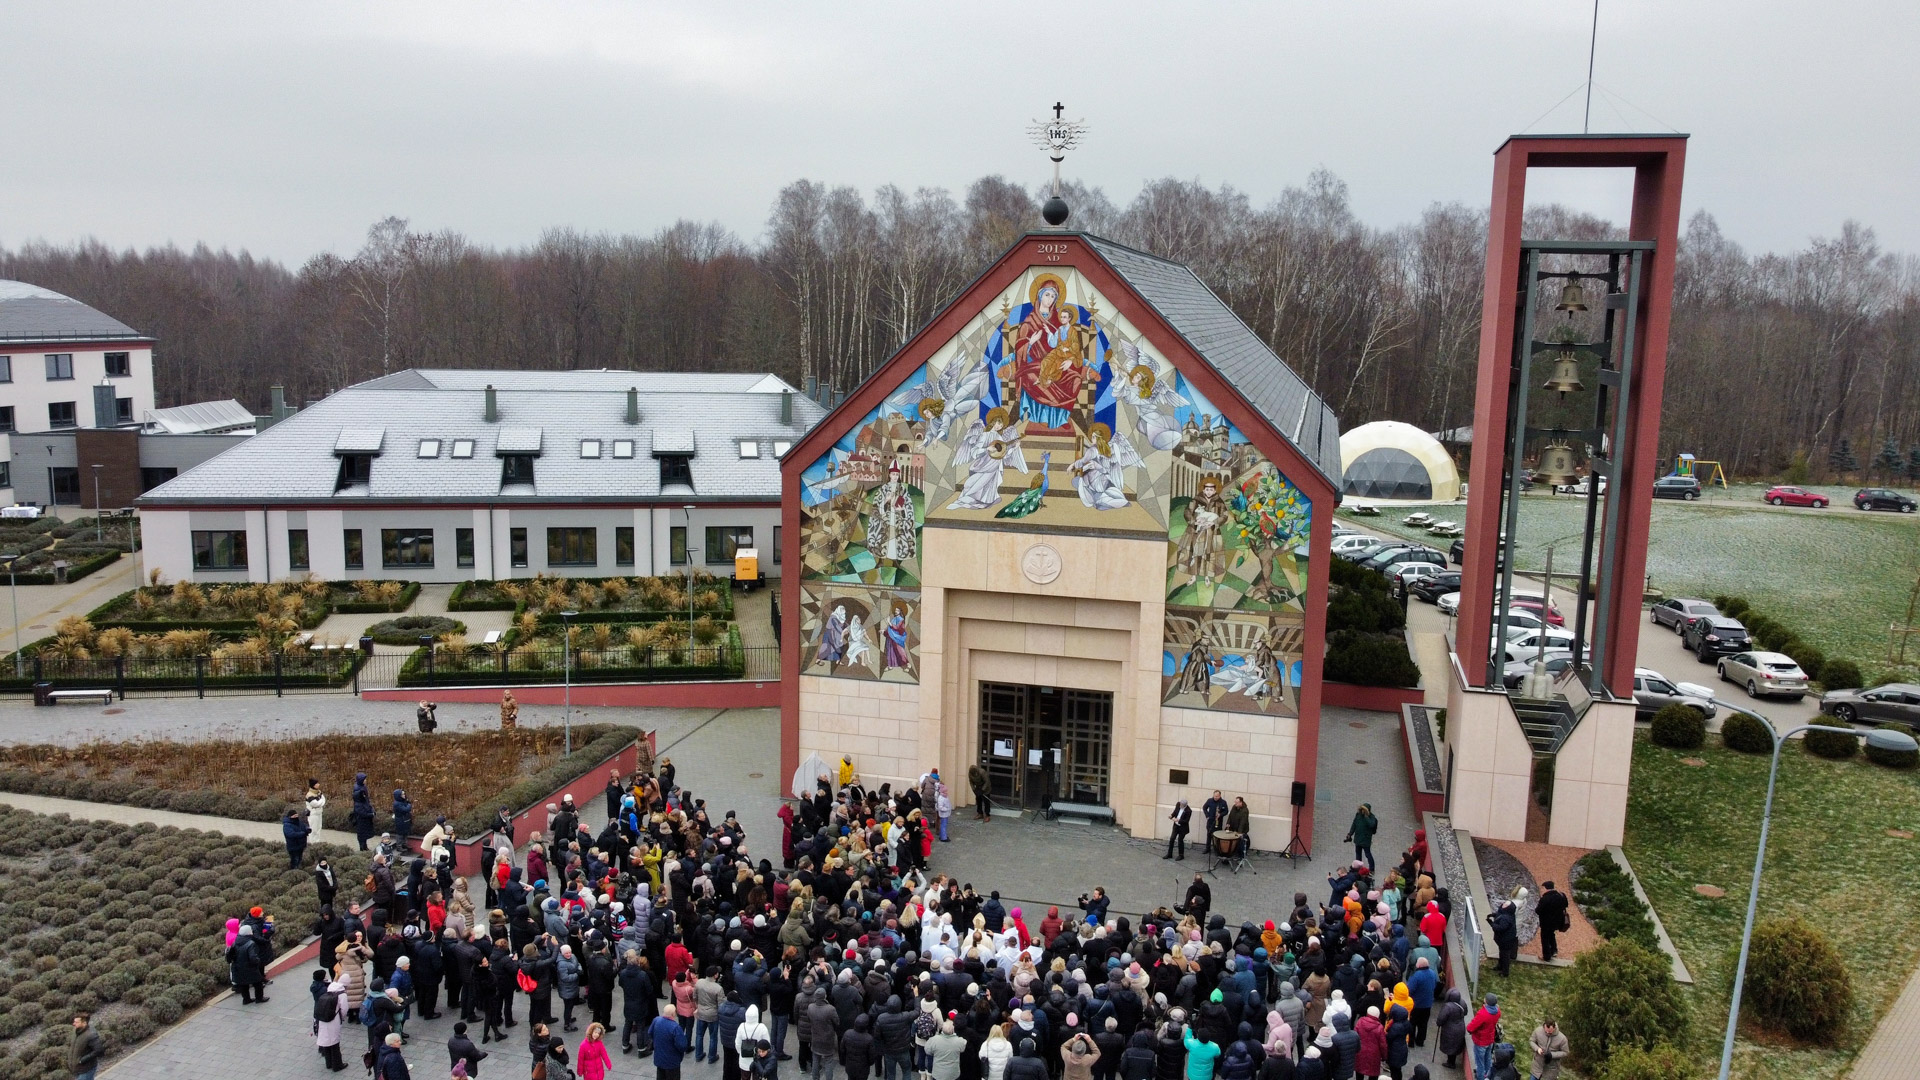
(1732, 606)
(1605, 895)
(1679, 727)
(1745, 733)
(1663, 1062)
(1893, 759)
(1369, 660)
(1811, 660)
(1796, 982)
(1841, 675)
(1832, 744)
(1617, 996)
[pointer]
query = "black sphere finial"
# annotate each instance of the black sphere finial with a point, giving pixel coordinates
(1055, 211)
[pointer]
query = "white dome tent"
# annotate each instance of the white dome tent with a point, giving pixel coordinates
(1391, 460)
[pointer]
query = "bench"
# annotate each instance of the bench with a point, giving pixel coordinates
(1090, 811)
(105, 697)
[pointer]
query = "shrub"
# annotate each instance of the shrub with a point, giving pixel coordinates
(1617, 996)
(1840, 675)
(1811, 660)
(1663, 1062)
(1796, 982)
(1832, 744)
(1893, 759)
(1775, 637)
(408, 629)
(1605, 895)
(1369, 660)
(163, 1008)
(1746, 733)
(1732, 606)
(1679, 727)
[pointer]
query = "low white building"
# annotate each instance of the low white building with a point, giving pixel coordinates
(65, 366)
(454, 475)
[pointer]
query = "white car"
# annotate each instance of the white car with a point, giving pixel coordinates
(1527, 645)
(1405, 572)
(1352, 541)
(1765, 674)
(1449, 603)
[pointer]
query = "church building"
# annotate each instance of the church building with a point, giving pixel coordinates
(1075, 531)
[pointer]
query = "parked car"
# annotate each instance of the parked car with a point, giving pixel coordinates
(1897, 703)
(1520, 669)
(1353, 543)
(1406, 573)
(1541, 607)
(1527, 645)
(1677, 611)
(1457, 553)
(1708, 636)
(1765, 674)
(1581, 487)
(1653, 691)
(1788, 495)
(1380, 560)
(1521, 622)
(1448, 603)
(1432, 587)
(1882, 499)
(1676, 487)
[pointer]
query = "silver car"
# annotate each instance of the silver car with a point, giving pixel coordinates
(1674, 613)
(1765, 674)
(1897, 703)
(1653, 691)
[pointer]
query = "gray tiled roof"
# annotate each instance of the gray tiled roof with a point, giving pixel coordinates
(200, 416)
(293, 461)
(1233, 350)
(648, 382)
(30, 313)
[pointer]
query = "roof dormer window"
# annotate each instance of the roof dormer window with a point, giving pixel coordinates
(780, 447)
(749, 448)
(589, 448)
(516, 469)
(429, 448)
(462, 448)
(623, 448)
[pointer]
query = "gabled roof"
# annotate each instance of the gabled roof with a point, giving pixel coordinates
(1232, 348)
(294, 460)
(29, 313)
(202, 416)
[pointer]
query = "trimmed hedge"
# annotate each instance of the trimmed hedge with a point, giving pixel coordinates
(461, 601)
(1679, 727)
(1796, 982)
(1361, 600)
(1364, 659)
(1832, 744)
(407, 629)
(530, 790)
(1746, 734)
(1811, 660)
(1841, 675)
(408, 595)
(74, 573)
(1893, 759)
(1605, 895)
(311, 615)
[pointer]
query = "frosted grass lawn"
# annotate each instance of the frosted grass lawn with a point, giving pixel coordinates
(1839, 577)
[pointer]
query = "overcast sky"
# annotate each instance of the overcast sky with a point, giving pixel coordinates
(285, 128)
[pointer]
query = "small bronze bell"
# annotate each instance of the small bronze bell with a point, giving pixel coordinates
(1565, 376)
(1572, 297)
(1556, 468)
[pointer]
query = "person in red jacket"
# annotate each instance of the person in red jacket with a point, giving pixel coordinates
(1433, 924)
(678, 960)
(1484, 1030)
(1373, 1045)
(1051, 926)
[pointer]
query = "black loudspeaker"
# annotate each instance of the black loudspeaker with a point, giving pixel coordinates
(1299, 793)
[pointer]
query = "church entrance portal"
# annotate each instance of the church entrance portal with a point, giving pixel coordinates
(1044, 743)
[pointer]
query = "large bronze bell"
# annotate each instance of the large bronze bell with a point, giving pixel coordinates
(1565, 376)
(1556, 468)
(1572, 297)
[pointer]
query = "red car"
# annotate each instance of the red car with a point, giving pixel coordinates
(1788, 495)
(1545, 611)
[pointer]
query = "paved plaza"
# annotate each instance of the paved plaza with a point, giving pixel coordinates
(729, 757)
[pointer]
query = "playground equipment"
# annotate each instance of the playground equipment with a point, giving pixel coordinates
(1707, 472)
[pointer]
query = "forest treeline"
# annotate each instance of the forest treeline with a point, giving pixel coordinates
(1773, 356)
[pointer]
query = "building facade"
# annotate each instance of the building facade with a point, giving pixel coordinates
(65, 367)
(441, 476)
(1074, 532)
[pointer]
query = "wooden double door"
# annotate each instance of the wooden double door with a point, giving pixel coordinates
(1041, 744)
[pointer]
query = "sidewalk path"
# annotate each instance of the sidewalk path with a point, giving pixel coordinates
(1895, 1045)
(131, 815)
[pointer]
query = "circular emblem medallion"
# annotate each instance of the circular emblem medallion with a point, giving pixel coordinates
(1041, 564)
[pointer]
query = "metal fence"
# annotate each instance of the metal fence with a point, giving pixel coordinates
(279, 672)
(1472, 944)
(491, 667)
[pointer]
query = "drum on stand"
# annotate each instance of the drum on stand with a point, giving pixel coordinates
(1225, 843)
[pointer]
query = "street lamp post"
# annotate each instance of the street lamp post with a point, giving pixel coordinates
(99, 523)
(689, 510)
(13, 587)
(1879, 738)
(566, 667)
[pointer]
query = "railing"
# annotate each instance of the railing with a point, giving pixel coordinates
(1473, 944)
(492, 666)
(278, 672)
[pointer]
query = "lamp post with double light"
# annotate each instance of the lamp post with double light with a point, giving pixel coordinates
(566, 667)
(13, 587)
(1879, 739)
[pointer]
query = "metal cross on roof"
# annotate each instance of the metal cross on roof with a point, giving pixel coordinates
(1056, 137)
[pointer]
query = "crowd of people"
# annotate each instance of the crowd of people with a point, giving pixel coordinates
(662, 931)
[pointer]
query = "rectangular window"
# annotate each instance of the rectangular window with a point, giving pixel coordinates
(723, 540)
(589, 448)
(59, 365)
(462, 448)
(430, 448)
(623, 448)
(516, 469)
(749, 448)
(463, 547)
(151, 478)
(354, 469)
(6, 418)
(677, 545)
(219, 550)
(297, 558)
(675, 469)
(356, 550)
(780, 447)
(6, 474)
(573, 547)
(776, 545)
(6, 369)
(623, 545)
(123, 410)
(406, 548)
(119, 364)
(65, 483)
(61, 414)
(517, 546)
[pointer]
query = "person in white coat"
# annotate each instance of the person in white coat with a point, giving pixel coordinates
(316, 804)
(326, 1033)
(994, 1054)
